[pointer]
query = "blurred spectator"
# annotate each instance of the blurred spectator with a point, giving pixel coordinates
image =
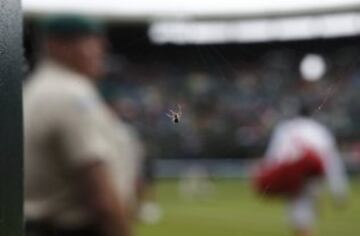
(77, 173)
(230, 115)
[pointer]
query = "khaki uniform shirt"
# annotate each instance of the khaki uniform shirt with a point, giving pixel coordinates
(68, 126)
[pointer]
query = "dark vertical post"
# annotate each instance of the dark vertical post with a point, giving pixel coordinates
(11, 131)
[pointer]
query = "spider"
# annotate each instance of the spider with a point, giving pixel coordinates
(175, 116)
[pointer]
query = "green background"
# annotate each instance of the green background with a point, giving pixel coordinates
(234, 210)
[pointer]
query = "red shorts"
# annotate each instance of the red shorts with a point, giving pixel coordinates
(288, 178)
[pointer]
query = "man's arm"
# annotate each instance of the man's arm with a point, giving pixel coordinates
(88, 151)
(103, 199)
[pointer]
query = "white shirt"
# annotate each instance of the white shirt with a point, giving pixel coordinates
(67, 125)
(291, 138)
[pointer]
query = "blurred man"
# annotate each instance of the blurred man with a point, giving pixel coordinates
(300, 153)
(71, 144)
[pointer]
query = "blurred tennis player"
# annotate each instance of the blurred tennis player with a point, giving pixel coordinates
(301, 154)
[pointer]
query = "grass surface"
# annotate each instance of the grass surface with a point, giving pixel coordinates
(234, 210)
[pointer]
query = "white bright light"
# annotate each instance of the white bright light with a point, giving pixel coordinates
(312, 67)
(155, 9)
(241, 20)
(255, 30)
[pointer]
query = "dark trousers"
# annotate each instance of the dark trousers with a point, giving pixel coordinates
(46, 229)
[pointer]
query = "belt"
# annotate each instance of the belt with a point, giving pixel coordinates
(43, 228)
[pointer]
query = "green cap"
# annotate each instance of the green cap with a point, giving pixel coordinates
(70, 26)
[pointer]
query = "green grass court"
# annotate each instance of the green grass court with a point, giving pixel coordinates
(234, 211)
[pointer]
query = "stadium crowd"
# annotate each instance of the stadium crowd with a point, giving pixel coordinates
(230, 105)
